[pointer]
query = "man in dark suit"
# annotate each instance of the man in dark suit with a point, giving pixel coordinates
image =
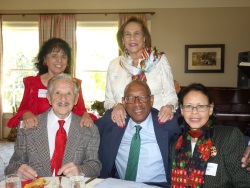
(153, 166)
(34, 148)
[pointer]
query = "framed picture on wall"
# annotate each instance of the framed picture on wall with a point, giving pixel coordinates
(205, 58)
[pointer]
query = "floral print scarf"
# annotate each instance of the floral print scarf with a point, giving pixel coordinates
(188, 170)
(150, 57)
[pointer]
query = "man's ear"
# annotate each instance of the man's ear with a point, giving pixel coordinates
(48, 97)
(76, 98)
(124, 103)
(152, 100)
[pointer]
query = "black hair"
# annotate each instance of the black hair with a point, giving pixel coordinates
(194, 87)
(53, 44)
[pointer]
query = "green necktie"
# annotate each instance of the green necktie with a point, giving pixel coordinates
(133, 157)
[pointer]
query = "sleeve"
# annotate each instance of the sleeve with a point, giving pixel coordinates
(175, 130)
(19, 156)
(24, 106)
(100, 123)
(234, 148)
(109, 96)
(79, 108)
(169, 93)
(91, 165)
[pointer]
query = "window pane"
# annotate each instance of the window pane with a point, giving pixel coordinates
(96, 47)
(20, 46)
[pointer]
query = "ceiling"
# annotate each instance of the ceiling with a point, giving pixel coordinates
(115, 5)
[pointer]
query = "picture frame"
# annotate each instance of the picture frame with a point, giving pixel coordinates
(205, 58)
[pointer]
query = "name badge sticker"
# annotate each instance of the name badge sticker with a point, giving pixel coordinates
(42, 93)
(114, 76)
(211, 169)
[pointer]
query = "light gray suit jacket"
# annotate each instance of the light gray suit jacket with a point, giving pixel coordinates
(32, 148)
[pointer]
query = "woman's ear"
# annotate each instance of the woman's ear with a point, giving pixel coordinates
(181, 110)
(211, 109)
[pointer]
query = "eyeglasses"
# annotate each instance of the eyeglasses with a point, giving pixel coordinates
(142, 99)
(199, 108)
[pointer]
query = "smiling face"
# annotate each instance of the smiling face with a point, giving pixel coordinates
(138, 111)
(56, 61)
(62, 98)
(133, 38)
(194, 118)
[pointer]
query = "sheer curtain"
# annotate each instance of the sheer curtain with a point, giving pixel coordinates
(1, 77)
(62, 26)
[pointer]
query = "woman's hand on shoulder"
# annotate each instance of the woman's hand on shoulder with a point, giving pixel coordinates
(118, 115)
(165, 114)
(29, 120)
(246, 158)
(86, 120)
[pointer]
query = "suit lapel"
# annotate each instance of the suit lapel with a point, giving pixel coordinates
(41, 143)
(162, 140)
(116, 137)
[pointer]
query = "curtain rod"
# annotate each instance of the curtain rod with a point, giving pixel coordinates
(105, 13)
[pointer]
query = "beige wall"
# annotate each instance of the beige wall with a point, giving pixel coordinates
(172, 28)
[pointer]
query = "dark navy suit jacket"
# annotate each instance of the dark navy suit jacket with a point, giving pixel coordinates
(111, 136)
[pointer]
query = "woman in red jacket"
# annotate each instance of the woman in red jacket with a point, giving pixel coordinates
(53, 58)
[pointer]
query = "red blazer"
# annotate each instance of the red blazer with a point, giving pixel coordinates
(37, 105)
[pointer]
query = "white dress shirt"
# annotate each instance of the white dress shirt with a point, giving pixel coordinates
(193, 146)
(159, 80)
(53, 126)
(150, 166)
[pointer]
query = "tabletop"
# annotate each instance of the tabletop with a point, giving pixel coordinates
(54, 181)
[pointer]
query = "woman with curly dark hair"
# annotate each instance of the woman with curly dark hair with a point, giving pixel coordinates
(54, 57)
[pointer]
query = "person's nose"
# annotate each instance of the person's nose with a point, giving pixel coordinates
(137, 101)
(194, 110)
(59, 59)
(63, 96)
(132, 37)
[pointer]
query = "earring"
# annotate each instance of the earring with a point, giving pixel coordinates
(126, 51)
(44, 64)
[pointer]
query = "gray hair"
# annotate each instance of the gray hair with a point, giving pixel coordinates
(63, 76)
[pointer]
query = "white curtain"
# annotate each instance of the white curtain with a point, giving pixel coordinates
(61, 26)
(1, 77)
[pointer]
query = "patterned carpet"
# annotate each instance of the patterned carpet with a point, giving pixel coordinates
(6, 151)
